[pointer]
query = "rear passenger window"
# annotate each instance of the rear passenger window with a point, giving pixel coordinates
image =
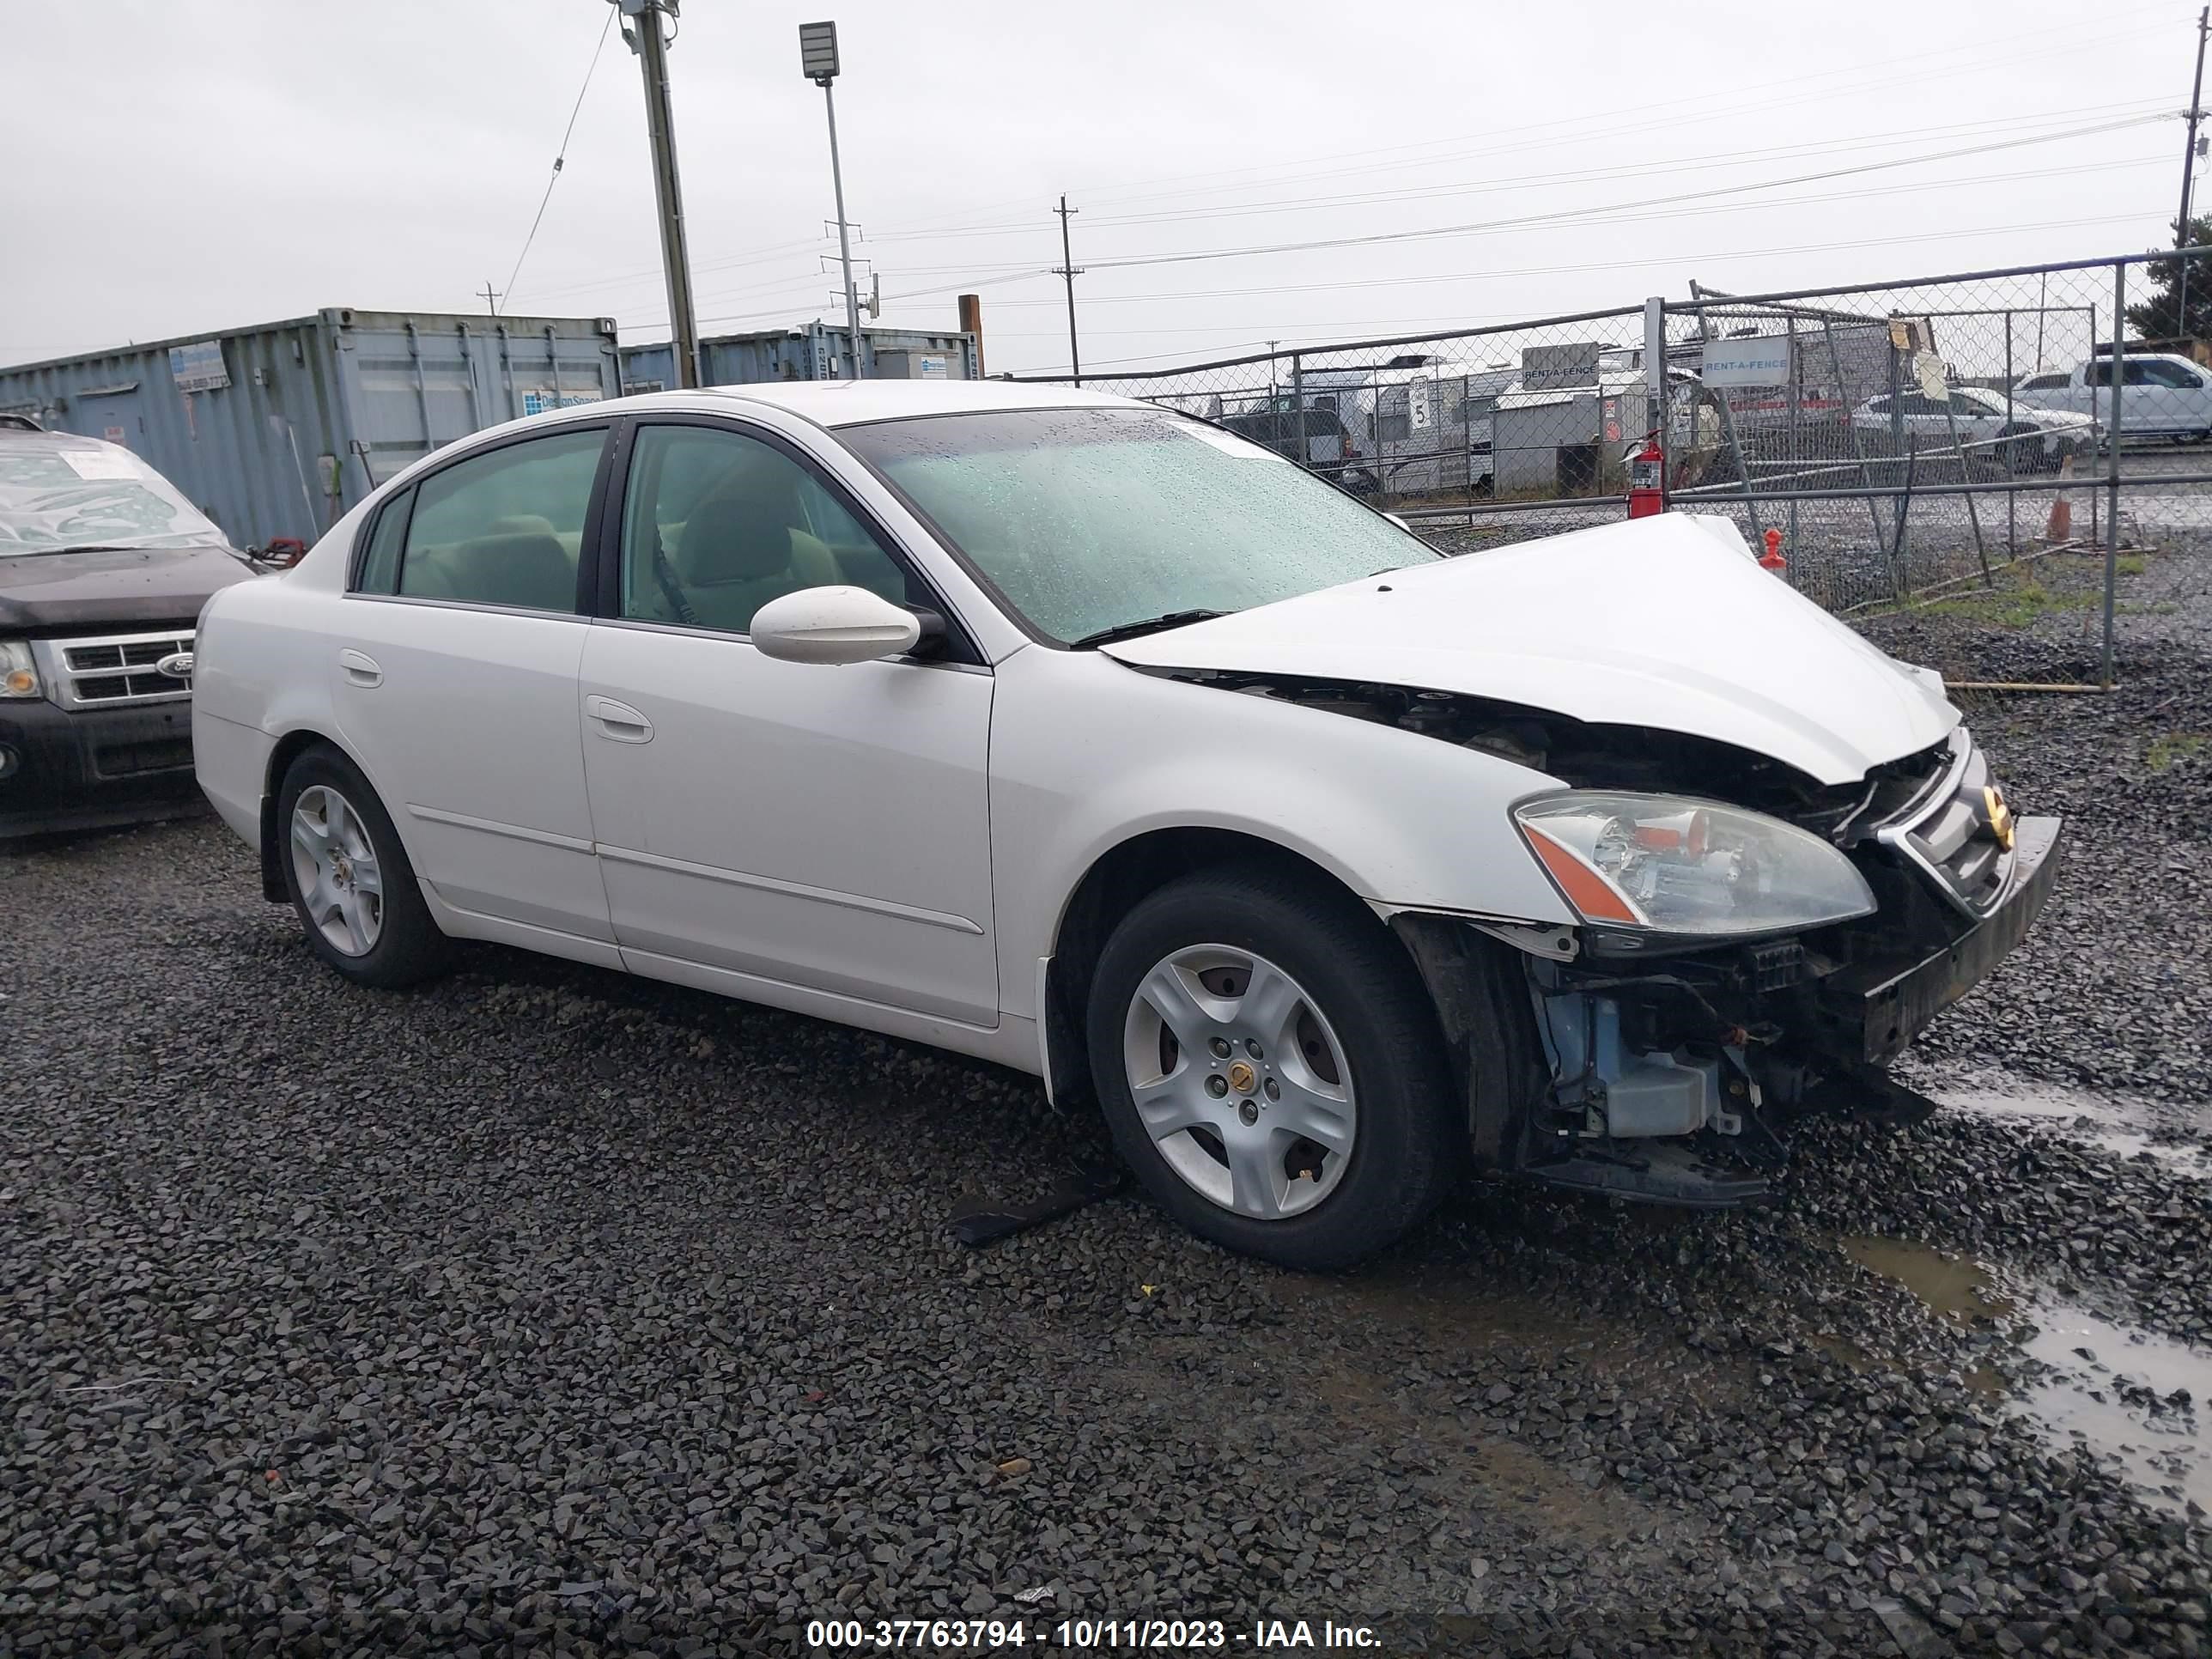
(504, 528)
(379, 565)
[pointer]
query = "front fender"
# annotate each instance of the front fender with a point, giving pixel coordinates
(1087, 754)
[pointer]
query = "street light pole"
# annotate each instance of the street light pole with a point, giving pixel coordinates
(660, 127)
(817, 56)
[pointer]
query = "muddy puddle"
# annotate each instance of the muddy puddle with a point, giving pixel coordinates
(2176, 1135)
(2134, 1399)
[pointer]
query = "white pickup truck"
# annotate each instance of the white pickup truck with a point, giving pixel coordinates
(2162, 396)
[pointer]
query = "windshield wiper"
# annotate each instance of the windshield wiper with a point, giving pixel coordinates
(1130, 630)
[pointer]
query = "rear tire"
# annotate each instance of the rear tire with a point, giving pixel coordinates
(348, 878)
(1304, 1011)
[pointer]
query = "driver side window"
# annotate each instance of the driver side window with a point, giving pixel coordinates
(716, 524)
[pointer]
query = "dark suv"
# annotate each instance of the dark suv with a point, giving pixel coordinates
(1322, 446)
(104, 566)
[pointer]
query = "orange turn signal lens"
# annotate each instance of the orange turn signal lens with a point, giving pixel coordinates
(1591, 893)
(20, 682)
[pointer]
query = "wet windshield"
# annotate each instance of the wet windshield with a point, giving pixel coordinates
(1088, 519)
(57, 493)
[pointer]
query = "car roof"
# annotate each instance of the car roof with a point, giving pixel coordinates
(849, 402)
(20, 438)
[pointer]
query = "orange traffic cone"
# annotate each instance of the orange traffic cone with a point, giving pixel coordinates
(1772, 559)
(2061, 527)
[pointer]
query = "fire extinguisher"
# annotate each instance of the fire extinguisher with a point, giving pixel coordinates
(1647, 480)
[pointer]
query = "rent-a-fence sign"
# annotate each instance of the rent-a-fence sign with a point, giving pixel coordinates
(1753, 362)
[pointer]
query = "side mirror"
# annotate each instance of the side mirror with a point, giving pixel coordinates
(1399, 522)
(833, 625)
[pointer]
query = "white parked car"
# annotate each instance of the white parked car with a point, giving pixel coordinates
(2015, 433)
(1087, 738)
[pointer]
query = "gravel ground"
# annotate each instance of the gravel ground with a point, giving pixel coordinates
(542, 1310)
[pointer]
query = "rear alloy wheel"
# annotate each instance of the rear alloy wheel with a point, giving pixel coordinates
(334, 867)
(349, 877)
(1269, 1064)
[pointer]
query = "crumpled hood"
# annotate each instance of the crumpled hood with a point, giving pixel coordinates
(1667, 622)
(114, 585)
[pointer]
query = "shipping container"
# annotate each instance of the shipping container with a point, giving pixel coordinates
(275, 431)
(815, 351)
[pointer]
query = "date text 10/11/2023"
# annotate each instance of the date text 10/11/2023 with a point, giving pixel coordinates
(1165, 1635)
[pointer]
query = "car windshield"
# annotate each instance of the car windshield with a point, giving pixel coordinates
(56, 494)
(1089, 520)
(1973, 400)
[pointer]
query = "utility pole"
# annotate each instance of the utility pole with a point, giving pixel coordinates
(2188, 169)
(971, 324)
(491, 299)
(642, 30)
(1070, 270)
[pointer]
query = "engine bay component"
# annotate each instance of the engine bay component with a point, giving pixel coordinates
(1620, 1092)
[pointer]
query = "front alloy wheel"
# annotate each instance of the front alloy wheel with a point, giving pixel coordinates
(1270, 1066)
(1240, 1084)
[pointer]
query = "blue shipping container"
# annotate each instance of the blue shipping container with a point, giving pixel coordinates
(814, 351)
(278, 430)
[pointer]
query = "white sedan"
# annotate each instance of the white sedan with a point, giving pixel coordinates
(1079, 735)
(2009, 433)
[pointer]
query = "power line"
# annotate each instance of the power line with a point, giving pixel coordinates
(1715, 110)
(1617, 213)
(1457, 319)
(1605, 213)
(958, 226)
(562, 154)
(1626, 218)
(1575, 175)
(1565, 214)
(1593, 175)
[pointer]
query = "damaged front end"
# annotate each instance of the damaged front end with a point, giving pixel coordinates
(1674, 1067)
(1755, 947)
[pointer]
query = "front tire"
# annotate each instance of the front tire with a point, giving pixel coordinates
(1271, 1067)
(348, 876)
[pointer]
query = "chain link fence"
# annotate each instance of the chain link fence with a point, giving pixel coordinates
(1891, 440)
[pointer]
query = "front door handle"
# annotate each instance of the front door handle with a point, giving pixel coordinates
(360, 669)
(618, 720)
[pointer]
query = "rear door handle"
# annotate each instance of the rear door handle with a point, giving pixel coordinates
(618, 720)
(360, 669)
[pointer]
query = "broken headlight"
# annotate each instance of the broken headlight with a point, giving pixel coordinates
(1671, 865)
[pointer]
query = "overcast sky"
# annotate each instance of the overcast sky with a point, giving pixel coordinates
(182, 167)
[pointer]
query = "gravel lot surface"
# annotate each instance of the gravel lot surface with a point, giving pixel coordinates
(542, 1310)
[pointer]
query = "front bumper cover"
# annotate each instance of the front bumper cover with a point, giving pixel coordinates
(88, 769)
(1875, 1009)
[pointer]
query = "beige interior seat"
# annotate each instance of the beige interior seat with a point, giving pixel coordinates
(742, 545)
